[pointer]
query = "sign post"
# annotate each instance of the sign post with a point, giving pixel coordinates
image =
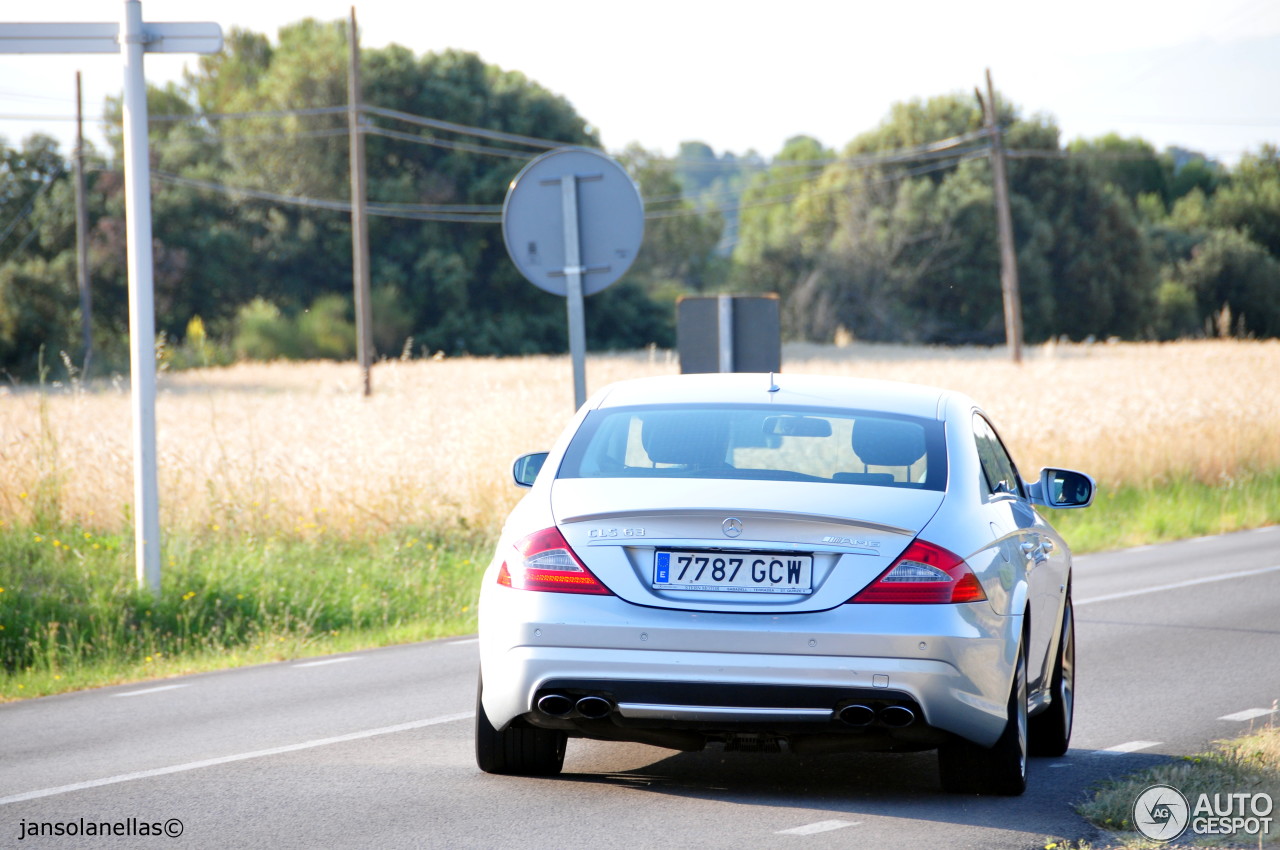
(575, 241)
(131, 38)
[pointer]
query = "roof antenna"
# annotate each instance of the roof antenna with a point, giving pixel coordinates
(773, 385)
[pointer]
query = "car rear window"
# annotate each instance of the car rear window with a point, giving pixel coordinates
(759, 443)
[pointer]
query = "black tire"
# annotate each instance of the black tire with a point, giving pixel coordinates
(967, 768)
(517, 750)
(1049, 732)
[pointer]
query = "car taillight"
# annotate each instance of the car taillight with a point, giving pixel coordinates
(924, 574)
(547, 563)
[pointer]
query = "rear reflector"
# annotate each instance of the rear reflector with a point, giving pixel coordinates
(545, 562)
(925, 574)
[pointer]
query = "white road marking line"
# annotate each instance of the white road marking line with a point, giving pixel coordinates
(325, 661)
(1176, 585)
(154, 690)
(1131, 747)
(1061, 764)
(820, 826)
(466, 640)
(1248, 714)
(196, 765)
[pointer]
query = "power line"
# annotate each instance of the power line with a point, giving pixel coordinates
(244, 116)
(944, 149)
(461, 129)
(448, 145)
(935, 165)
(29, 207)
(419, 212)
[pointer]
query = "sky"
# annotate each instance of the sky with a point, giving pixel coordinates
(1197, 74)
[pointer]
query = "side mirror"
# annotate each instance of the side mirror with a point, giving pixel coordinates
(1063, 488)
(526, 468)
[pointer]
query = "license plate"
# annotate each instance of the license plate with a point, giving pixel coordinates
(740, 572)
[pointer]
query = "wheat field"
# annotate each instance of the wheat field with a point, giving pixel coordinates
(294, 448)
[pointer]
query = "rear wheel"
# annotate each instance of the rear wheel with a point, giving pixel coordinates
(1049, 733)
(968, 768)
(517, 750)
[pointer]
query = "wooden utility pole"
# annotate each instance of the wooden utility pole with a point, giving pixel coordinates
(359, 221)
(1004, 223)
(82, 239)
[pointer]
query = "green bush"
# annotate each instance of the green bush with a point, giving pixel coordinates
(263, 332)
(324, 331)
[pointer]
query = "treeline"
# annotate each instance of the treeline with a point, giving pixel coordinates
(892, 238)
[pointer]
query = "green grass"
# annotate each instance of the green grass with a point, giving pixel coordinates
(1249, 764)
(1175, 510)
(71, 616)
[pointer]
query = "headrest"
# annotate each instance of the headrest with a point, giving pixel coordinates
(688, 438)
(888, 442)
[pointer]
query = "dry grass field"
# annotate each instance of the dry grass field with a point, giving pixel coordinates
(294, 448)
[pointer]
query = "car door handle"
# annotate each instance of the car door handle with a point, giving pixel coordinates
(1037, 552)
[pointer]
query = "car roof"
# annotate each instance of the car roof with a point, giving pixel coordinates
(793, 390)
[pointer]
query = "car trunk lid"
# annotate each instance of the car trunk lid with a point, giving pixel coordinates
(757, 545)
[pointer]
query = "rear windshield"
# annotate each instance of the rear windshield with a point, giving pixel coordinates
(765, 443)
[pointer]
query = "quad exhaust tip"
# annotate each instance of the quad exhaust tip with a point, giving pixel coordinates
(897, 716)
(857, 715)
(594, 708)
(556, 705)
(590, 707)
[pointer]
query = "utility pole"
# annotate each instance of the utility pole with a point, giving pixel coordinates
(359, 220)
(1004, 222)
(82, 239)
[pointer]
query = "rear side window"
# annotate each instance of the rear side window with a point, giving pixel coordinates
(997, 467)
(759, 443)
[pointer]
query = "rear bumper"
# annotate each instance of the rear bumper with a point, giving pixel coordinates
(709, 673)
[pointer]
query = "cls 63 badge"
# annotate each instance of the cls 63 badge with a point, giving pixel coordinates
(608, 533)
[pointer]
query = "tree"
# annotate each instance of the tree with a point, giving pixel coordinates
(1131, 166)
(896, 239)
(1228, 274)
(771, 255)
(1250, 199)
(448, 284)
(678, 253)
(38, 295)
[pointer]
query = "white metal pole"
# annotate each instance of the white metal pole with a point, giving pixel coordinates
(724, 335)
(573, 297)
(142, 319)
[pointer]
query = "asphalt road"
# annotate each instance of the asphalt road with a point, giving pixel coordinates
(1178, 645)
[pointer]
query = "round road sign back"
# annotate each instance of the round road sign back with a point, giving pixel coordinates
(610, 222)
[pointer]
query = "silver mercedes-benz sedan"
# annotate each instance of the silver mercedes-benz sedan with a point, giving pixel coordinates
(767, 562)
